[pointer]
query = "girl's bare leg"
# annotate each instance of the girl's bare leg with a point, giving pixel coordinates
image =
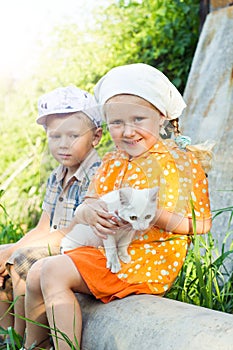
(35, 309)
(59, 279)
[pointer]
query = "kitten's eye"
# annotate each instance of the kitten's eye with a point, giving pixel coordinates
(133, 217)
(147, 217)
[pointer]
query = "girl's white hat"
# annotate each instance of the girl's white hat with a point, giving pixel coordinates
(144, 81)
(69, 99)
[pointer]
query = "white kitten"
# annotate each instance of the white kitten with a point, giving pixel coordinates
(137, 207)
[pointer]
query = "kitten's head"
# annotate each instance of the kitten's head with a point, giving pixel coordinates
(138, 207)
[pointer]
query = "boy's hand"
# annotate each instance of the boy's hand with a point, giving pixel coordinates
(93, 212)
(4, 256)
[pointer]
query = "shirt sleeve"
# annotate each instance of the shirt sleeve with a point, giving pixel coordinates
(184, 186)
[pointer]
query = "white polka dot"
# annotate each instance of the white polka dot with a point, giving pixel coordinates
(166, 172)
(164, 272)
(117, 163)
(175, 263)
(146, 246)
(137, 266)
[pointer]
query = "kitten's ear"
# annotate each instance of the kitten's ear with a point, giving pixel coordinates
(124, 195)
(153, 193)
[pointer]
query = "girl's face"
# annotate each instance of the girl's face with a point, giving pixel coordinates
(133, 122)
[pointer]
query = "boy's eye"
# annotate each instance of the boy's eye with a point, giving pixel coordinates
(54, 136)
(74, 136)
(133, 217)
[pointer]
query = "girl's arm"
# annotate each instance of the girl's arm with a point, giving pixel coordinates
(178, 224)
(93, 212)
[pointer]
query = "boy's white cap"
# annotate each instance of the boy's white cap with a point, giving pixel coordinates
(68, 99)
(144, 81)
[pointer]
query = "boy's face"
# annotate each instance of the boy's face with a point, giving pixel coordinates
(133, 122)
(70, 139)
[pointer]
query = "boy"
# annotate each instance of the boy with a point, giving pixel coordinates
(72, 123)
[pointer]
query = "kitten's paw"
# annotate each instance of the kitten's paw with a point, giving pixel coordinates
(126, 258)
(113, 265)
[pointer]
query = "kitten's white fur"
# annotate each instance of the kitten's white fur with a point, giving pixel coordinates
(136, 206)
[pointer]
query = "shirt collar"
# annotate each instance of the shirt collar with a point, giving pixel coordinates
(81, 172)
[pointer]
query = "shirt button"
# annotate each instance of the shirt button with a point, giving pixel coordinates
(61, 199)
(55, 227)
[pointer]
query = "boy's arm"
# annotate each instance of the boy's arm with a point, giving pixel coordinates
(38, 236)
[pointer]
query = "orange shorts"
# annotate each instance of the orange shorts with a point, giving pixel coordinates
(103, 284)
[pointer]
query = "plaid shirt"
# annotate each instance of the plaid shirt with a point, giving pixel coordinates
(60, 203)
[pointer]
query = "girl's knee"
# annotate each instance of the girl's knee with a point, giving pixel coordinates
(33, 277)
(58, 272)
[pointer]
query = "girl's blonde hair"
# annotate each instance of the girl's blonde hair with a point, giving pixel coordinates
(203, 151)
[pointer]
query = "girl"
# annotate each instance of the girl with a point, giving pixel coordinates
(136, 100)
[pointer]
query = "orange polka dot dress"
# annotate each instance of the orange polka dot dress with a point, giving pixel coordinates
(157, 255)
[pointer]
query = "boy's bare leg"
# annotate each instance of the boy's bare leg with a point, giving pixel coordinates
(35, 309)
(19, 287)
(6, 319)
(59, 279)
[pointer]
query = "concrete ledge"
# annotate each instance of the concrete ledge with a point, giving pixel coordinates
(147, 322)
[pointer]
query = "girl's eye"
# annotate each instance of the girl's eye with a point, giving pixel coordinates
(133, 217)
(138, 119)
(75, 136)
(116, 122)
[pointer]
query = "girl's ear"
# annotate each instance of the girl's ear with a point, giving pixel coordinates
(97, 136)
(162, 119)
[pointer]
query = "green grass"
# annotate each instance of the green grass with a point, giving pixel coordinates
(206, 278)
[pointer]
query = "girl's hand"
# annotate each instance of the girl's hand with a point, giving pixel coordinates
(93, 212)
